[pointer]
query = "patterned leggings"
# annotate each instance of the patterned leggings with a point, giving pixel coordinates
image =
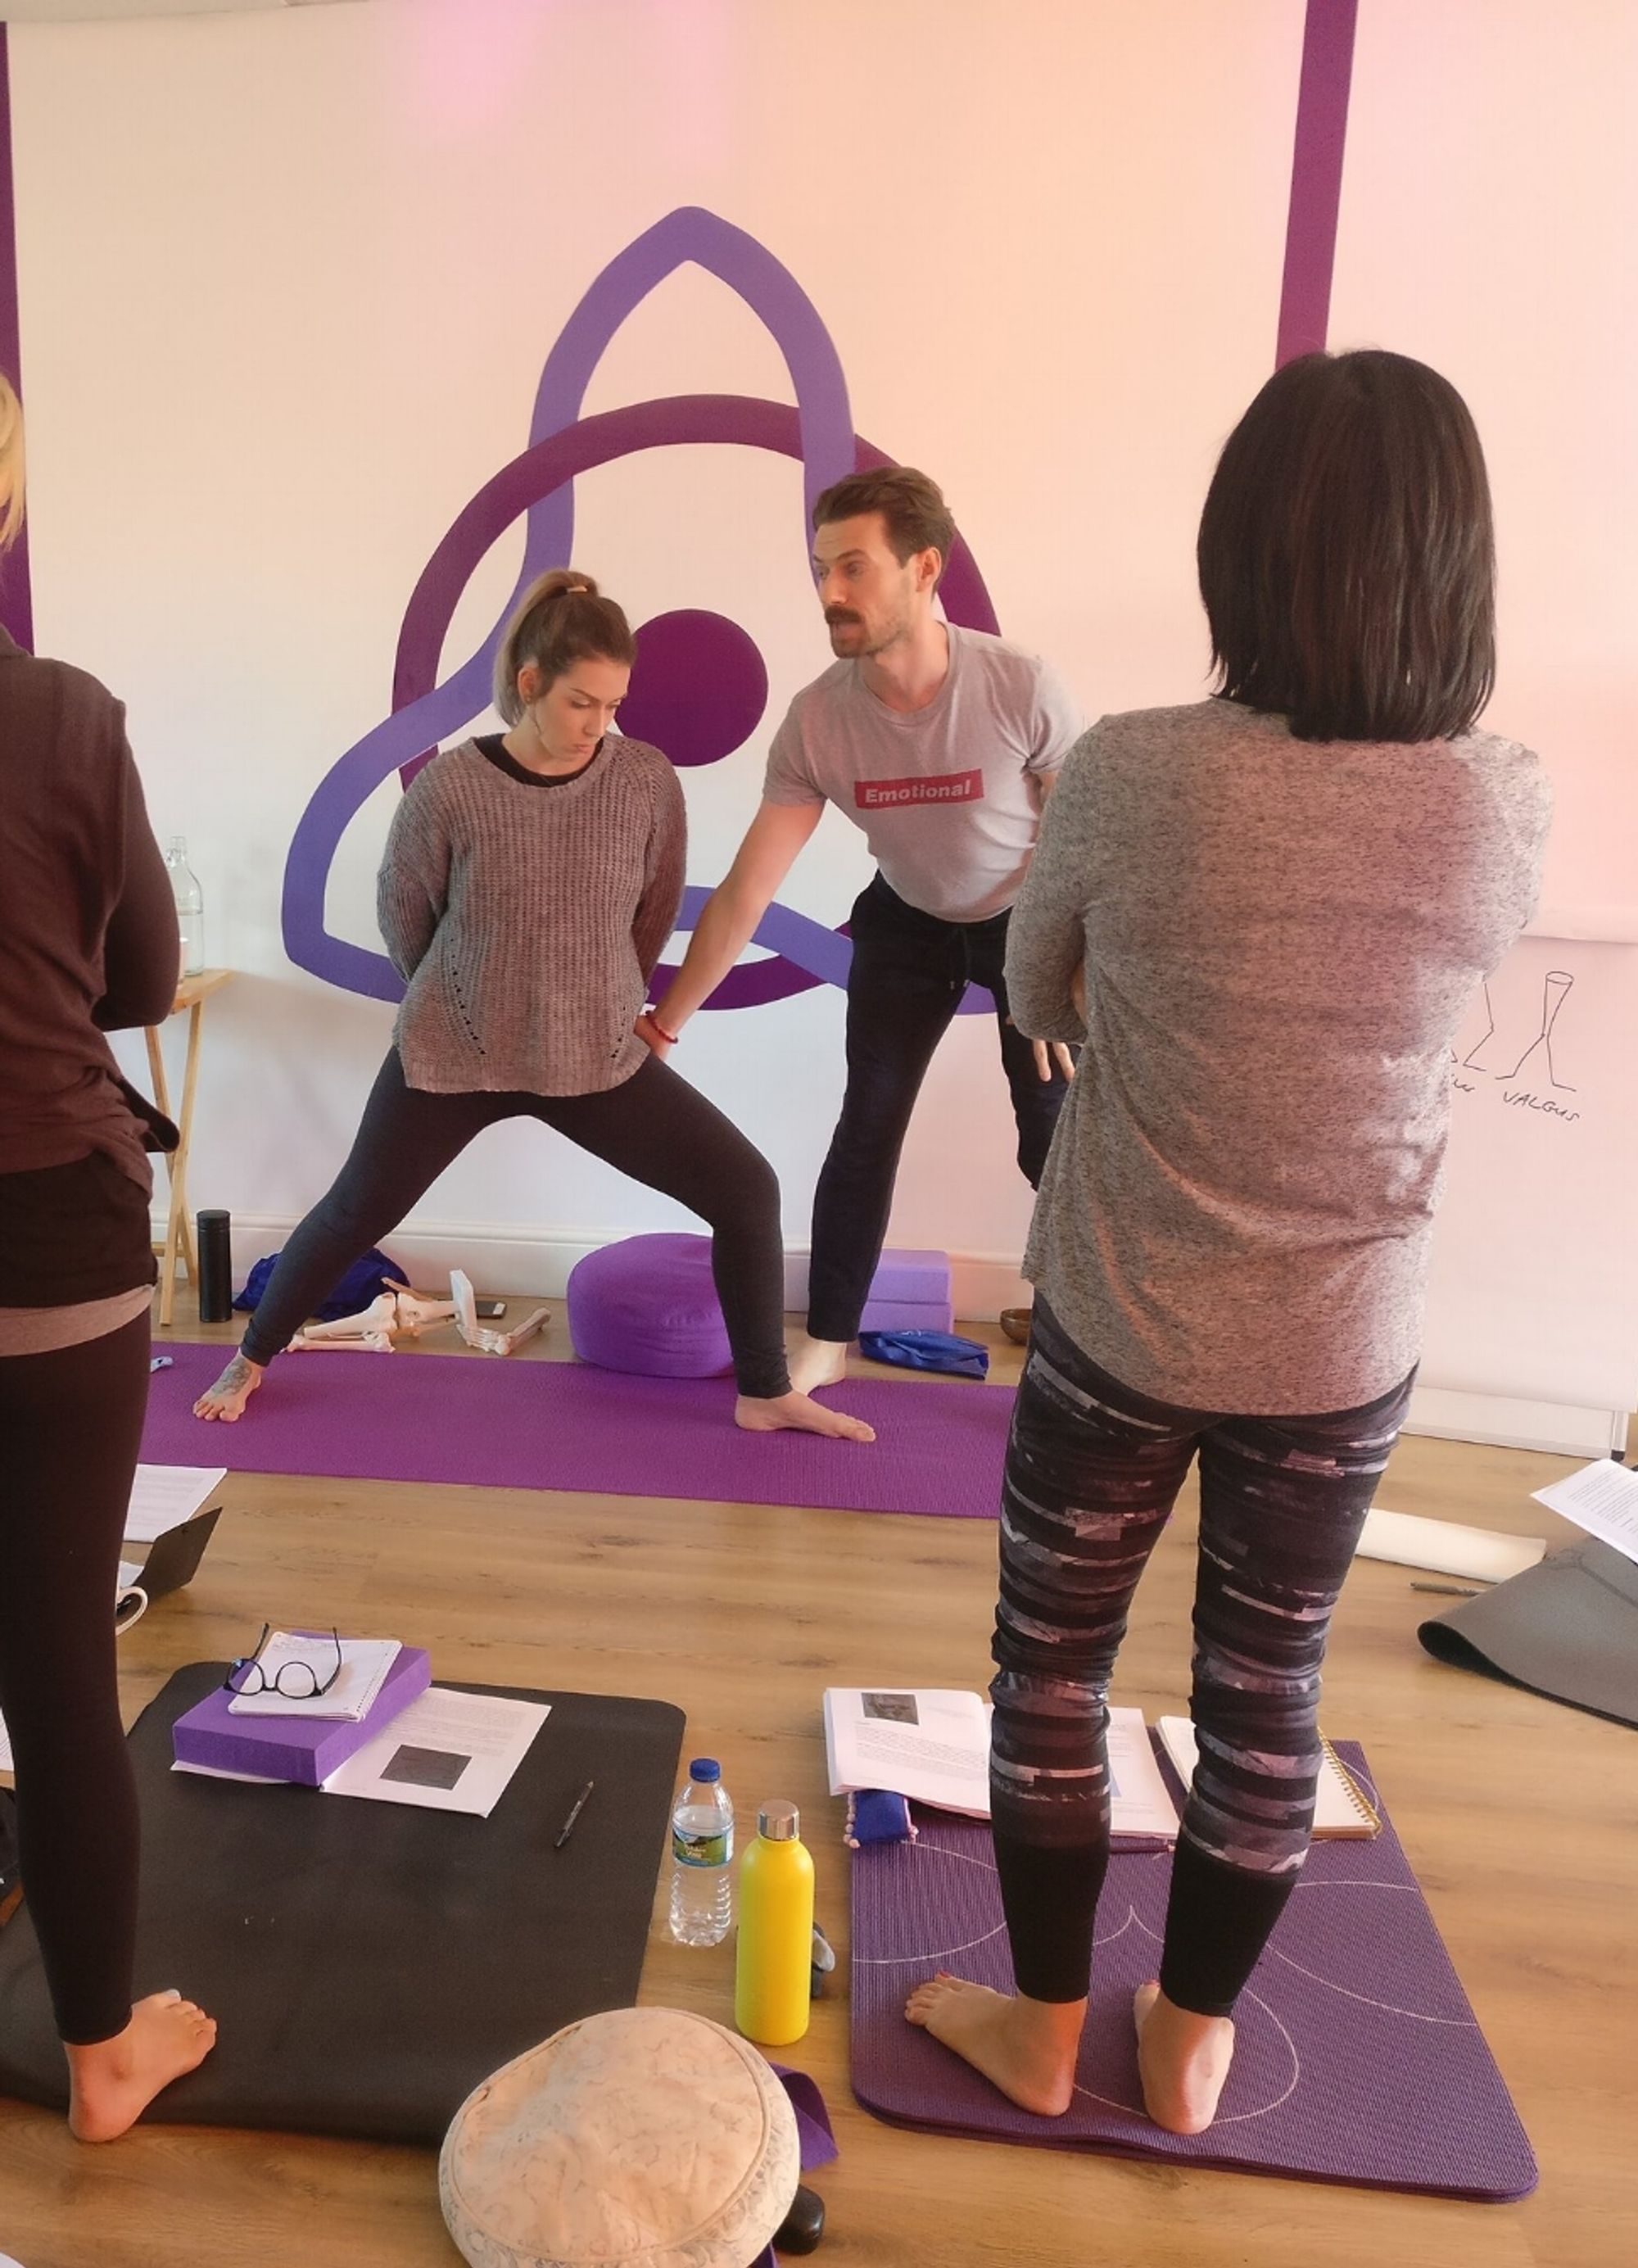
(1092, 1471)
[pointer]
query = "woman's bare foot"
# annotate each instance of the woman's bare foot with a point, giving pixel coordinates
(1026, 2048)
(1183, 2060)
(111, 2083)
(816, 1362)
(226, 1399)
(794, 1413)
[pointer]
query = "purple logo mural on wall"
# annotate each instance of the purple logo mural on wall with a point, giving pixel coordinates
(699, 688)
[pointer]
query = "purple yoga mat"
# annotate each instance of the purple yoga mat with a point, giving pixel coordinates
(498, 1423)
(1357, 2057)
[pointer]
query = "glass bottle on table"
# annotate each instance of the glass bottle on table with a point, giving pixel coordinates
(190, 909)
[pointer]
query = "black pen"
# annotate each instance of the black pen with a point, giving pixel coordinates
(568, 1827)
(1448, 1590)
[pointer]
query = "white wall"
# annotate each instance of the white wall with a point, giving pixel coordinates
(288, 282)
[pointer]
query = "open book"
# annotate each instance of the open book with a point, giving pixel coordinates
(934, 1748)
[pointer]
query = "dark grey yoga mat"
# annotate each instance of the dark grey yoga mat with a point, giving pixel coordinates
(1565, 1628)
(368, 1963)
(1357, 2057)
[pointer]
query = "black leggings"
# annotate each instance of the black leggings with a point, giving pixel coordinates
(654, 1126)
(1093, 1470)
(909, 971)
(70, 1426)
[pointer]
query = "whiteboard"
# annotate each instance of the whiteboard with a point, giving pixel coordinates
(1533, 1291)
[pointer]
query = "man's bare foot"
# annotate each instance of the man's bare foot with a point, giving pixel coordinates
(816, 1362)
(111, 2083)
(1026, 2048)
(226, 1399)
(1183, 2060)
(794, 1413)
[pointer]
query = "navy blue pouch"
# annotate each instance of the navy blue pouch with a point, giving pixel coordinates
(927, 1350)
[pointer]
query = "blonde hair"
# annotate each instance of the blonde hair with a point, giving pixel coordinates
(562, 620)
(10, 464)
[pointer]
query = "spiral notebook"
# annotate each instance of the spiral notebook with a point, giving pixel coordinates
(1343, 1808)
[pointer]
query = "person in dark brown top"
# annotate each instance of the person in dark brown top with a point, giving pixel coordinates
(88, 945)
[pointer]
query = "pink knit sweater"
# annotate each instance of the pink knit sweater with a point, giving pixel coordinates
(527, 916)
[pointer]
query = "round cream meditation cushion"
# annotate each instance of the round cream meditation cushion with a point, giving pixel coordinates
(645, 2138)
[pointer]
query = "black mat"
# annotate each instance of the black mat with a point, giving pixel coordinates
(369, 1964)
(1565, 1628)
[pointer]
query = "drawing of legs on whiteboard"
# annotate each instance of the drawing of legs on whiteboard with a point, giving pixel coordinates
(1470, 1061)
(1554, 987)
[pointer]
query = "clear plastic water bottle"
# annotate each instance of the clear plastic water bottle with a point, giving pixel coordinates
(702, 1853)
(190, 907)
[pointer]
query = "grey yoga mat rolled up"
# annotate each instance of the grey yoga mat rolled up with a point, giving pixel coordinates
(1567, 1628)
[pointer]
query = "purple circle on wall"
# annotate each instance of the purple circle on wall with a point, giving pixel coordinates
(698, 686)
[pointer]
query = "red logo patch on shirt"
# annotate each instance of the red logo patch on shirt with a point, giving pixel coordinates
(940, 787)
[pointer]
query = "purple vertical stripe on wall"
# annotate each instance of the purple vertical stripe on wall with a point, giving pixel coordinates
(16, 608)
(1310, 230)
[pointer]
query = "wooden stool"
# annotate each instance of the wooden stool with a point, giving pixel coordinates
(191, 994)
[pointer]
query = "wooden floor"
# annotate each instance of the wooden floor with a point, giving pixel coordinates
(1518, 1815)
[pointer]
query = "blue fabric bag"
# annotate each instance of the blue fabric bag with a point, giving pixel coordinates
(927, 1350)
(360, 1285)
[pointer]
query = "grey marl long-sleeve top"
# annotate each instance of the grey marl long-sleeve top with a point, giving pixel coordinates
(1279, 939)
(527, 915)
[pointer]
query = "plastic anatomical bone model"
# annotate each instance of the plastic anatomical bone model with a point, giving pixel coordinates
(481, 1340)
(400, 1311)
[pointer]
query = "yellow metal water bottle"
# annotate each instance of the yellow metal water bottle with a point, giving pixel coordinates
(773, 1975)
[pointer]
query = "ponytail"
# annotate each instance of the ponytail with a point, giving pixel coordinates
(10, 464)
(562, 620)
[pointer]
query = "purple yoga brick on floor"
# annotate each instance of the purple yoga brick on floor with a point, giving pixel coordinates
(510, 1424)
(1358, 2057)
(910, 1291)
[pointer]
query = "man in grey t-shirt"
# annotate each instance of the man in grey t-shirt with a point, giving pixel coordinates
(943, 745)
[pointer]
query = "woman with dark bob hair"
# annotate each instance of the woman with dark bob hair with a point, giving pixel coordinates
(1262, 916)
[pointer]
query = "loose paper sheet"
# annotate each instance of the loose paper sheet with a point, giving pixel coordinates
(446, 1752)
(1601, 1497)
(164, 1495)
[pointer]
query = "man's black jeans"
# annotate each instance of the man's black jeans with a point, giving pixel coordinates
(909, 971)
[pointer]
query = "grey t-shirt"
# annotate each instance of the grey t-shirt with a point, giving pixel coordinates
(1279, 939)
(946, 795)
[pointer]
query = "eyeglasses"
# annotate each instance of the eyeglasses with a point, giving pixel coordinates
(296, 1680)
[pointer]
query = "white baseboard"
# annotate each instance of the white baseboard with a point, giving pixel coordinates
(1507, 1423)
(504, 1257)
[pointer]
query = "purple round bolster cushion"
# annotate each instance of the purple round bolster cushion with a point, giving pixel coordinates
(649, 1305)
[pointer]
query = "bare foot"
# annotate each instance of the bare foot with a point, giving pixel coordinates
(111, 2084)
(1026, 2048)
(816, 1362)
(794, 1413)
(226, 1399)
(1183, 2060)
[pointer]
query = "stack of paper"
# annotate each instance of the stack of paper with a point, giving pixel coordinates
(365, 1663)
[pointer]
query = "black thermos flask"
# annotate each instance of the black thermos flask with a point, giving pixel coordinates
(216, 1267)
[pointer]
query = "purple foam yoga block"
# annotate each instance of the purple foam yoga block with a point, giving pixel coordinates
(305, 1749)
(906, 1315)
(910, 1291)
(648, 1305)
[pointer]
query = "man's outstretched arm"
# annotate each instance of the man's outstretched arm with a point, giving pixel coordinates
(731, 913)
